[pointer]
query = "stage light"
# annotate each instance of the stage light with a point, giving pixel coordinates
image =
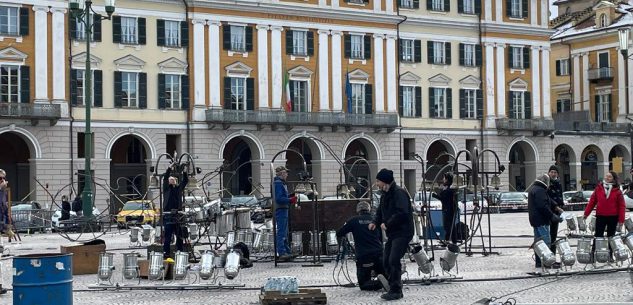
(193, 231)
(602, 250)
(157, 234)
(232, 265)
(147, 233)
(332, 243)
(619, 250)
(206, 265)
(134, 234)
(156, 266)
(449, 258)
(153, 182)
(297, 242)
(301, 188)
(422, 259)
(544, 253)
(583, 251)
(130, 266)
(571, 224)
(192, 185)
(181, 268)
(230, 239)
(495, 181)
(257, 241)
(628, 224)
(106, 266)
(628, 240)
(566, 253)
(592, 223)
(582, 225)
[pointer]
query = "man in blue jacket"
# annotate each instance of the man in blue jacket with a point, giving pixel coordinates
(283, 200)
(395, 217)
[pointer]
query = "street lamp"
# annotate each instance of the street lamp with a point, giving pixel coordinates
(623, 36)
(81, 10)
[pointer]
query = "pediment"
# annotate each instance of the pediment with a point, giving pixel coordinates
(518, 85)
(358, 75)
(603, 4)
(470, 82)
(12, 54)
(79, 61)
(409, 79)
(439, 80)
(238, 69)
(300, 72)
(130, 62)
(173, 65)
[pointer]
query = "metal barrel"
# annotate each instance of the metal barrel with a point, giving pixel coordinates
(43, 279)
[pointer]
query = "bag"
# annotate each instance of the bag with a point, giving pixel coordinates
(462, 231)
(77, 204)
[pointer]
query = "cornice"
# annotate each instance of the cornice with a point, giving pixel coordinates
(508, 28)
(298, 10)
(441, 23)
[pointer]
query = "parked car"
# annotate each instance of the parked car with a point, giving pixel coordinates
(418, 201)
(628, 198)
(137, 212)
(28, 215)
(56, 222)
(576, 200)
(470, 202)
(512, 201)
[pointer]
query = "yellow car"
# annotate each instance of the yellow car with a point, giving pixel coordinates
(137, 212)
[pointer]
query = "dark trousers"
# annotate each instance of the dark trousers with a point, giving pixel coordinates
(553, 234)
(608, 223)
(395, 248)
(171, 229)
(364, 267)
(448, 222)
(283, 248)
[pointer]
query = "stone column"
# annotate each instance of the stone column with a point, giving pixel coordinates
(536, 81)
(622, 92)
(41, 53)
(585, 81)
(576, 72)
(262, 65)
(59, 60)
(214, 64)
(277, 74)
(501, 81)
(490, 84)
(547, 103)
(337, 83)
(379, 73)
(392, 78)
(324, 62)
(199, 84)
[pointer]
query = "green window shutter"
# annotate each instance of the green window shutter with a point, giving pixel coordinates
(73, 87)
(226, 36)
(369, 101)
(478, 56)
(431, 104)
(160, 33)
(429, 52)
(558, 67)
(289, 42)
(528, 105)
(25, 84)
(460, 6)
(142, 36)
(447, 52)
(462, 54)
(249, 38)
(118, 88)
(462, 103)
(400, 100)
(184, 86)
(447, 5)
(416, 4)
(116, 29)
(524, 5)
(480, 104)
(96, 34)
(449, 103)
(508, 8)
(72, 26)
(250, 93)
(348, 45)
(429, 5)
(526, 58)
(367, 42)
(184, 34)
(98, 87)
(609, 107)
(418, 102)
(596, 106)
(310, 38)
(511, 105)
(227, 93)
(142, 90)
(161, 91)
(417, 50)
(477, 7)
(24, 21)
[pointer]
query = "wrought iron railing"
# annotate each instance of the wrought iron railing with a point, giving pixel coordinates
(42, 111)
(581, 121)
(278, 117)
(525, 124)
(600, 73)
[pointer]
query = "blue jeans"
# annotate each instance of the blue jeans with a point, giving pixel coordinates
(281, 216)
(541, 232)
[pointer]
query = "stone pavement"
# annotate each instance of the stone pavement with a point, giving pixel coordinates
(481, 277)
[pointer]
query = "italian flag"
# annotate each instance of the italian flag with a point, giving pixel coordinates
(288, 98)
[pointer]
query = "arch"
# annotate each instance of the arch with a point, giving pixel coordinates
(522, 161)
(445, 141)
(373, 154)
(147, 142)
(527, 141)
(592, 169)
(594, 148)
(565, 158)
(571, 154)
(619, 151)
(314, 145)
(252, 141)
(31, 140)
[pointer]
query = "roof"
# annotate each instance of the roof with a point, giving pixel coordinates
(584, 22)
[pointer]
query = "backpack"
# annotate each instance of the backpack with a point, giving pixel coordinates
(462, 231)
(77, 204)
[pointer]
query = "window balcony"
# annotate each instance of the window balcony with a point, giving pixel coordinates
(274, 118)
(574, 122)
(34, 112)
(600, 74)
(536, 126)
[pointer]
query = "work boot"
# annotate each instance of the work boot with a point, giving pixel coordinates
(383, 281)
(390, 296)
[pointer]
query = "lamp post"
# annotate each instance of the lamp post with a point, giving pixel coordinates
(81, 10)
(623, 36)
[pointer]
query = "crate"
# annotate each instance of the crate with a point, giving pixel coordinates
(143, 267)
(85, 257)
(304, 297)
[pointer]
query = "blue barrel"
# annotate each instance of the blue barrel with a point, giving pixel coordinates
(43, 279)
(437, 221)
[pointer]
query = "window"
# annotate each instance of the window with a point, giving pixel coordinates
(81, 146)
(439, 103)
(604, 22)
(406, 3)
(407, 50)
(408, 148)
(173, 143)
(129, 83)
(470, 99)
(9, 20)
(437, 5)
(357, 46)
(439, 52)
(516, 9)
(129, 33)
(299, 43)
(238, 38)
(9, 84)
(299, 96)
(469, 6)
(603, 108)
(517, 57)
(81, 87)
(518, 105)
(238, 93)
(469, 55)
(80, 29)
(173, 91)
(408, 101)
(358, 98)
(562, 67)
(563, 105)
(172, 33)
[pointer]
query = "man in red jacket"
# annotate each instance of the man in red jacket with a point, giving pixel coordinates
(609, 203)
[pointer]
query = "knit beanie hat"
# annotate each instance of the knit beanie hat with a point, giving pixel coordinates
(363, 206)
(554, 168)
(385, 176)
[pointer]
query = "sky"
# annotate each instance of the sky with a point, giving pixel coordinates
(553, 10)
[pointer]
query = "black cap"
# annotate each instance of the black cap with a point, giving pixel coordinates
(554, 168)
(385, 176)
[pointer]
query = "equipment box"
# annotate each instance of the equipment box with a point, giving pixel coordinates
(85, 257)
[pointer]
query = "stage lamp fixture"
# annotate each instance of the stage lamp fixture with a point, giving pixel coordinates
(602, 250)
(106, 266)
(193, 231)
(134, 234)
(628, 224)
(571, 224)
(130, 266)
(422, 259)
(619, 250)
(544, 253)
(206, 265)
(232, 266)
(628, 240)
(192, 185)
(582, 225)
(583, 251)
(449, 258)
(181, 269)
(156, 267)
(301, 188)
(566, 253)
(147, 232)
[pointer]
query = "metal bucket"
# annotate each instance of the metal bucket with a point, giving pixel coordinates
(245, 236)
(243, 218)
(43, 279)
(582, 225)
(225, 223)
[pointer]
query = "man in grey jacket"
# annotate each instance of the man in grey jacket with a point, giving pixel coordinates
(540, 212)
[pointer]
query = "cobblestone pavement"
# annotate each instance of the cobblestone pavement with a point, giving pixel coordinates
(479, 277)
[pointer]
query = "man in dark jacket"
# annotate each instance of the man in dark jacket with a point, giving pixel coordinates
(65, 208)
(283, 200)
(368, 246)
(540, 212)
(172, 203)
(555, 193)
(395, 217)
(447, 197)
